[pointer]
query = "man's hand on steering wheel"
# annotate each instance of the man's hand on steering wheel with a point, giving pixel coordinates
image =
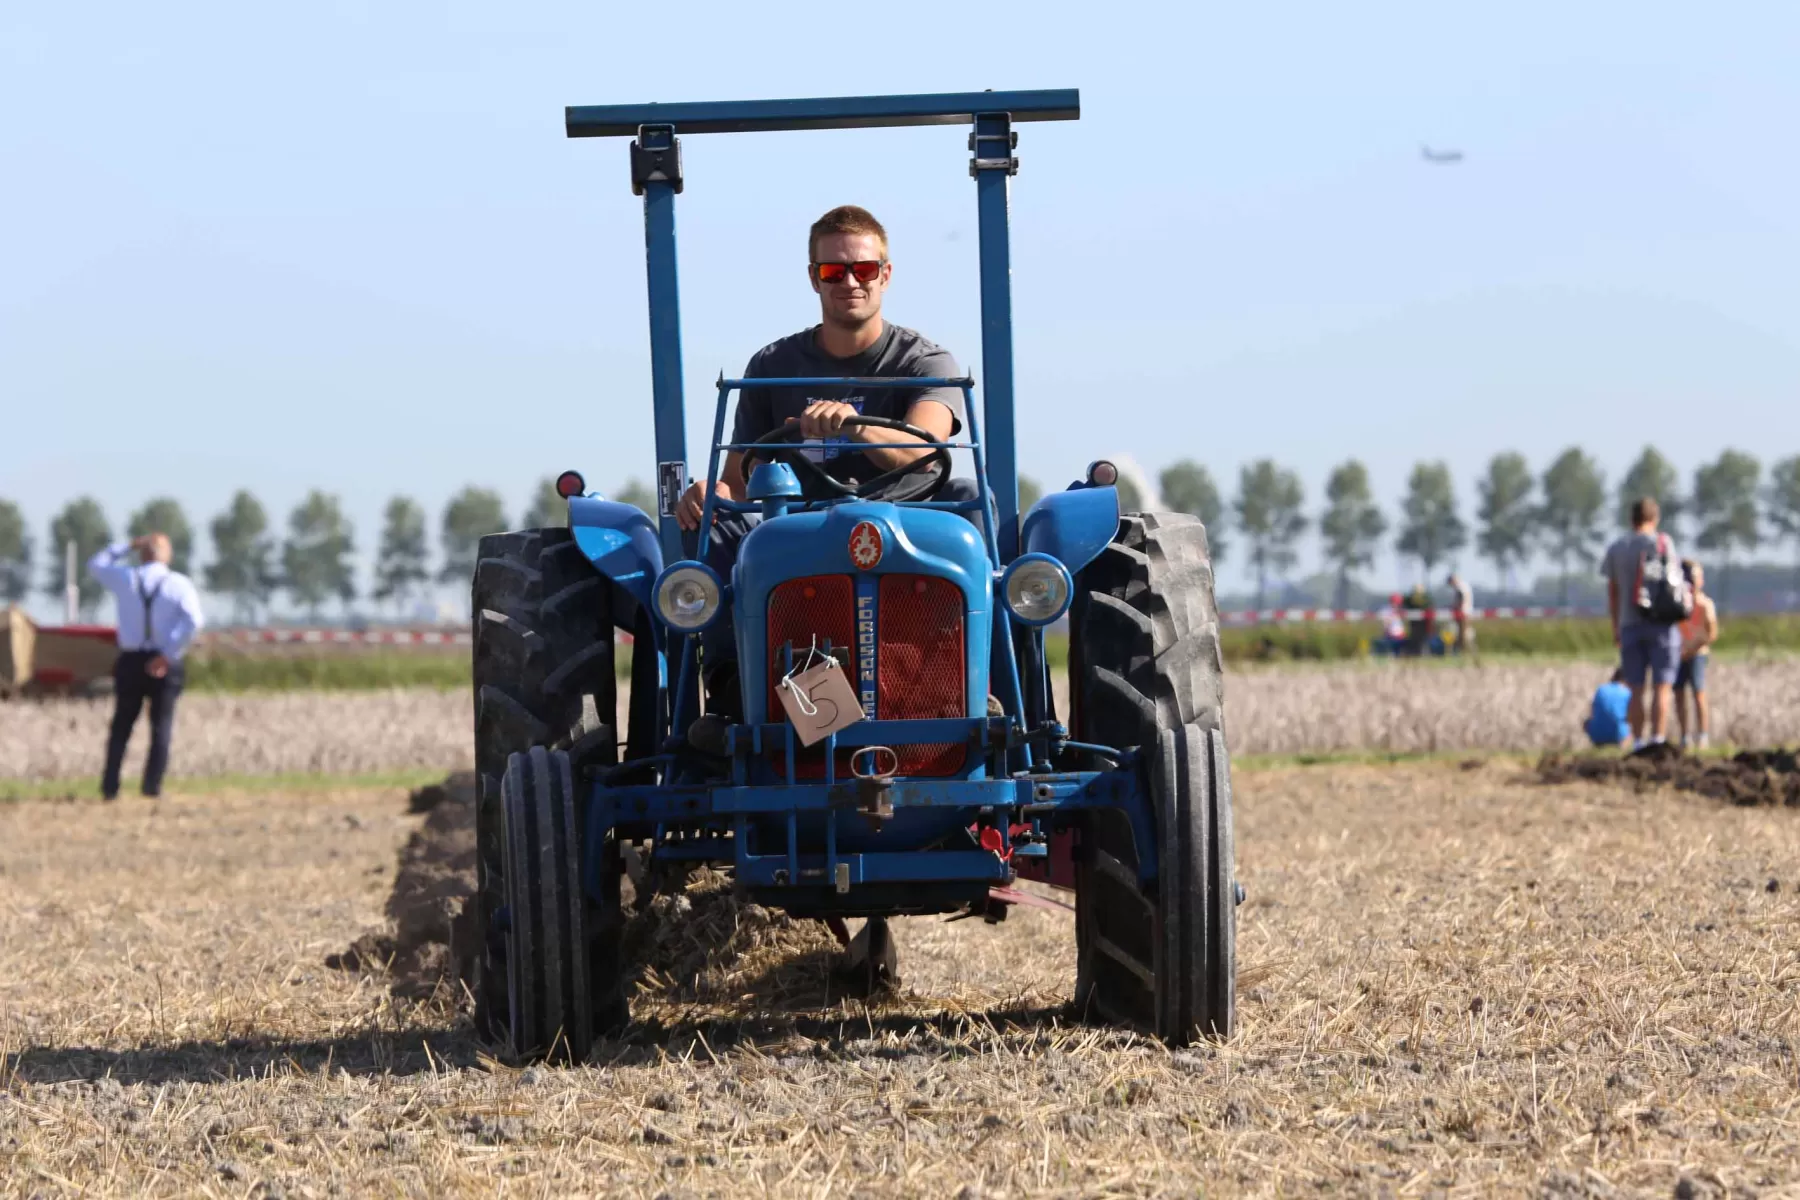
(933, 466)
(825, 419)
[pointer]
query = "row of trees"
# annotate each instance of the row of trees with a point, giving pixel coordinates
(313, 564)
(1566, 512)
(1563, 512)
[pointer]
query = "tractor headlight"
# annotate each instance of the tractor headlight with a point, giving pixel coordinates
(689, 597)
(1037, 589)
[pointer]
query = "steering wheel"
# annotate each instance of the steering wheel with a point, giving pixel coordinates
(935, 465)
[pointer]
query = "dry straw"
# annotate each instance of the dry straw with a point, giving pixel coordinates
(1461, 982)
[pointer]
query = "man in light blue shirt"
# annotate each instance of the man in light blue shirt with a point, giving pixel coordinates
(159, 614)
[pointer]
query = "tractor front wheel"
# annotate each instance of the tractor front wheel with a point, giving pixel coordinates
(1146, 674)
(543, 676)
(549, 1000)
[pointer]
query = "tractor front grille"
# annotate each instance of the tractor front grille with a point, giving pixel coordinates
(921, 672)
(920, 648)
(812, 610)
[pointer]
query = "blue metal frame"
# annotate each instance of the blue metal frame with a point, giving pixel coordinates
(665, 333)
(993, 167)
(836, 112)
(807, 842)
(655, 128)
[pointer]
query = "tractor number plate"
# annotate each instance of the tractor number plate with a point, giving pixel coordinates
(671, 482)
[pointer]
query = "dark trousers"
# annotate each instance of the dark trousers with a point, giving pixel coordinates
(132, 686)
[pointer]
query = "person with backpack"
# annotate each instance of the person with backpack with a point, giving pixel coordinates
(1648, 597)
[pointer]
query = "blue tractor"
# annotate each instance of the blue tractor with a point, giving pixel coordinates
(956, 778)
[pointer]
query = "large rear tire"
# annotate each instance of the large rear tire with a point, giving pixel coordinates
(543, 676)
(1146, 674)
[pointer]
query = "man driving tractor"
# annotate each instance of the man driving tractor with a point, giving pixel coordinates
(848, 266)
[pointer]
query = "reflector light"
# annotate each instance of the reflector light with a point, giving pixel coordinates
(570, 484)
(689, 597)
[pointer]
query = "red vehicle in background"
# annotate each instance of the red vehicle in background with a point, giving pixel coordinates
(54, 659)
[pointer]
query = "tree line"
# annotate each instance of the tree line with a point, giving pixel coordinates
(313, 564)
(1564, 511)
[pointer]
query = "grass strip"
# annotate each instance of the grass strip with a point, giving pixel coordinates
(1581, 638)
(88, 786)
(331, 670)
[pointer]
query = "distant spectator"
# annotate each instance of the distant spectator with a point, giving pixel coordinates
(1393, 627)
(1698, 633)
(1421, 620)
(1649, 648)
(1607, 724)
(159, 614)
(1462, 610)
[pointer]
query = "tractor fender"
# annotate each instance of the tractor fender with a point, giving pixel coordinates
(1072, 527)
(620, 541)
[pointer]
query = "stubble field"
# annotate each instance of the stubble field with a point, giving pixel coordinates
(1454, 980)
(1399, 708)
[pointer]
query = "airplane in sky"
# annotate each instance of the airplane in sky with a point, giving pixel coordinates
(1440, 157)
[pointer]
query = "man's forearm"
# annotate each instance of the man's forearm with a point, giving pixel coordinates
(105, 566)
(889, 448)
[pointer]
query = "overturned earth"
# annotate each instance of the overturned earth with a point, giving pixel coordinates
(690, 942)
(1750, 777)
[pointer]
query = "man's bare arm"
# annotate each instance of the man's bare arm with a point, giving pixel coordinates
(730, 486)
(886, 448)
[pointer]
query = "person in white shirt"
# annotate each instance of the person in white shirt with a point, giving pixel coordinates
(159, 614)
(1462, 609)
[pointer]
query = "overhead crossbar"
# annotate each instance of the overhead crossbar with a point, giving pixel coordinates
(842, 112)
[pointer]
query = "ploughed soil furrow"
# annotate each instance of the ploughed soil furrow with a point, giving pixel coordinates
(1749, 777)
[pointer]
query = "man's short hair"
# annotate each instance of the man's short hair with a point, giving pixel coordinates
(845, 218)
(1645, 510)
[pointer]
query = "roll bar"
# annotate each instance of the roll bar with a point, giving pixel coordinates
(840, 112)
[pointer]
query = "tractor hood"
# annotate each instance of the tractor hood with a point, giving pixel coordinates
(862, 542)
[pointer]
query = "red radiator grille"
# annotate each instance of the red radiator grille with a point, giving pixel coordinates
(800, 610)
(921, 675)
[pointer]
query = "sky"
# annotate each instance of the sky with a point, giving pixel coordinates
(348, 246)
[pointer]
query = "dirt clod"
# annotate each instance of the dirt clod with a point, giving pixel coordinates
(429, 930)
(424, 799)
(1750, 778)
(696, 944)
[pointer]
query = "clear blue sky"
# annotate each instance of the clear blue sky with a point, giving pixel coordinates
(348, 246)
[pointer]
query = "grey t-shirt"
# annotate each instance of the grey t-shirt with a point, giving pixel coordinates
(897, 352)
(1621, 566)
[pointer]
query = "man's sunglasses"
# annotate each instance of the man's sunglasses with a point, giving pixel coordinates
(867, 271)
